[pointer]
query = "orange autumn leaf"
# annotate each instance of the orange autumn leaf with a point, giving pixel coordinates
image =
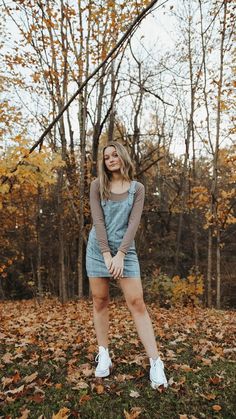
(216, 407)
(134, 413)
(99, 389)
(84, 398)
(63, 413)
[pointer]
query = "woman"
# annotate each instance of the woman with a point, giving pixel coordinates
(116, 202)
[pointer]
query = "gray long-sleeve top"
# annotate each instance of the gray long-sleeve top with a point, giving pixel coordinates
(98, 216)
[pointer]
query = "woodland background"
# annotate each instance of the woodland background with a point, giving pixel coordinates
(171, 103)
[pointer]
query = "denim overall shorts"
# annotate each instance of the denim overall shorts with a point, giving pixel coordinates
(116, 218)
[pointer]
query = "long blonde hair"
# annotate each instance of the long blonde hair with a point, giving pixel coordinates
(127, 168)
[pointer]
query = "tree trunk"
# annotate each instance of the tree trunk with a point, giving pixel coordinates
(62, 276)
(218, 272)
(39, 243)
(209, 268)
(214, 188)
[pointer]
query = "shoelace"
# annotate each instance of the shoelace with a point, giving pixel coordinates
(98, 357)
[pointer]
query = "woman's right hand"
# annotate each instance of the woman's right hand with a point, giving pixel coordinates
(108, 260)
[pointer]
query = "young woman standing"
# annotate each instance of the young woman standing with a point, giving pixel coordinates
(116, 202)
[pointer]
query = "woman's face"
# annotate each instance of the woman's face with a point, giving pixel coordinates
(111, 159)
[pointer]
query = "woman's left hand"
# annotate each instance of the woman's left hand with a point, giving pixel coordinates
(117, 265)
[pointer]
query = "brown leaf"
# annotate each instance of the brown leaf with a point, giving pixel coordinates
(216, 407)
(16, 377)
(208, 396)
(185, 367)
(84, 398)
(91, 349)
(80, 385)
(123, 377)
(30, 378)
(206, 361)
(37, 398)
(6, 381)
(24, 414)
(183, 416)
(215, 380)
(7, 358)
(87, 372)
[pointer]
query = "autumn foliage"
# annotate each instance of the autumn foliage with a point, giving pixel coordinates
(172, 107)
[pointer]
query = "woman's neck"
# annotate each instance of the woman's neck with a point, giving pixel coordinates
(117, 178)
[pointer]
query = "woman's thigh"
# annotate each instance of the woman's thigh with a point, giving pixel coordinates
(99, 287)
(132, 288)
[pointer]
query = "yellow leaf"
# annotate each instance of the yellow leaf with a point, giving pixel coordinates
(62, 414)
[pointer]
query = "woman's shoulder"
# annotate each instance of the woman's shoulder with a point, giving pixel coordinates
(139, 186)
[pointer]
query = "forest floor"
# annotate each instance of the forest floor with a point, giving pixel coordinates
(47, 353)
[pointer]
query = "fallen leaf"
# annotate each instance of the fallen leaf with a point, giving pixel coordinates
(215, 380)
(99, 389)
(208, 396)
(62, 414)
(84, 398)
(37, 398)
(134, 394)
(7, 358)
(133, 414)
(216, 407)
(91, 349)
(185, 367)
(16, 390)
(30, 378)
(6, 381)
(206, 361)
(16, 377)
(80, 385)
(24, 414)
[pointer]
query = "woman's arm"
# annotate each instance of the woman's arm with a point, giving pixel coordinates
(98, 217)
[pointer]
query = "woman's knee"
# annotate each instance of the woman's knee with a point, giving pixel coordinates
(137, 305)
(100, 302)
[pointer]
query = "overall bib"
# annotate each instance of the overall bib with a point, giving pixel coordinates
(116, 218)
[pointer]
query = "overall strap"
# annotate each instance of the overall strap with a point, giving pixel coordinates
(132, 191)
(103, 203)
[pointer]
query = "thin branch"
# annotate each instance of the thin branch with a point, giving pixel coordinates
(127, 34)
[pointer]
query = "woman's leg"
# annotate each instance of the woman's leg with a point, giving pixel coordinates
(100, 294)
(133, 292)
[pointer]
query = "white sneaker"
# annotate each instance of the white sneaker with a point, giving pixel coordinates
(104, 362)
(157, 375)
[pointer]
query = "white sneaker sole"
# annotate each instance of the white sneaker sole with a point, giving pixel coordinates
(156, 385)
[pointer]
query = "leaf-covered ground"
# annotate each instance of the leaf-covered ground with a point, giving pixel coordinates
(47, 363)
